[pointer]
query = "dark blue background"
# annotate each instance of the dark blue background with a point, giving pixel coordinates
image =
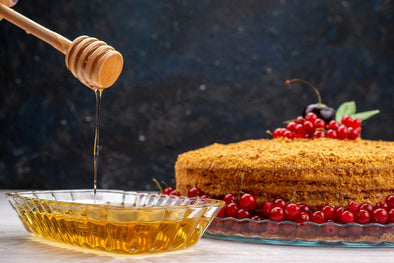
(195, 73)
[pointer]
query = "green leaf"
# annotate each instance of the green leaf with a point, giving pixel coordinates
(365, 114)
(346, 108)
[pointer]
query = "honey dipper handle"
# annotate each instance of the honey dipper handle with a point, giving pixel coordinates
(57, 41)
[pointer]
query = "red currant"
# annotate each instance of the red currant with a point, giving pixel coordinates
(277, 214)
(222, 213)
(256, 218)
(391, 215)
(299, 120)
(353, 206)
(347, 217)
(308, 126)
(319, 124)
(278, 132)
(380, 216)
(356, 123)
(390, 201)
(310, 116)
(267, 208)
(291, 126)
(318, 217)
(194, 191)
(305, 208)
(338, 214)
(381, 204)
(229, 198)
(331, 134)
(299, 131)
(247, 201)
(292, 210)
(232, 210)
(328, 212)
(342, 132)
(347, 121)
(352, 133)
(168, 190)
(333, 125)
(242, 213)
(367, 207)
(362, 217)
(288, 134)
(175, 192)
(302, 217)
(319, 134)
(279, 203)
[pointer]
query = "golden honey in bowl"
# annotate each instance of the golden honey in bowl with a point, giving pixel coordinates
(144, 223)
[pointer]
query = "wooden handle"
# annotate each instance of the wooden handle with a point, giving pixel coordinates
(57, 41)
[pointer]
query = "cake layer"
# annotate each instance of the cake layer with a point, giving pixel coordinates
(316, 172)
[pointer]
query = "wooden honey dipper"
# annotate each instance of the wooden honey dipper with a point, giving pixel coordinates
(93, 62)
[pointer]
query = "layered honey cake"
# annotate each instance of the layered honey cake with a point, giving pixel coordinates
(315, 172)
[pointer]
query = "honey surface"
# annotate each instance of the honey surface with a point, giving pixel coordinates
(133, 237)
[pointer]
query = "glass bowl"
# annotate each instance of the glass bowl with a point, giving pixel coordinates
(115, 221)
(302, 234)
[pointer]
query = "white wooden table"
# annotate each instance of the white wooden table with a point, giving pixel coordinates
(17, 245)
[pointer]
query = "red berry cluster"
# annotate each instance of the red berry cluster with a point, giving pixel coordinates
(313, 127)
(381, 212)
(243, 205)
(170, 191)
(239, 206)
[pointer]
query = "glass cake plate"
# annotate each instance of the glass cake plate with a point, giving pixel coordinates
(302, 234)
(115, 221)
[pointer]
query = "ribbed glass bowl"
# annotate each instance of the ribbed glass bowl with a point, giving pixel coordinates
(115, 221)
(302, 234)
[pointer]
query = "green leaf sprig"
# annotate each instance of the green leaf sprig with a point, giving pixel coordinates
(349, 108)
